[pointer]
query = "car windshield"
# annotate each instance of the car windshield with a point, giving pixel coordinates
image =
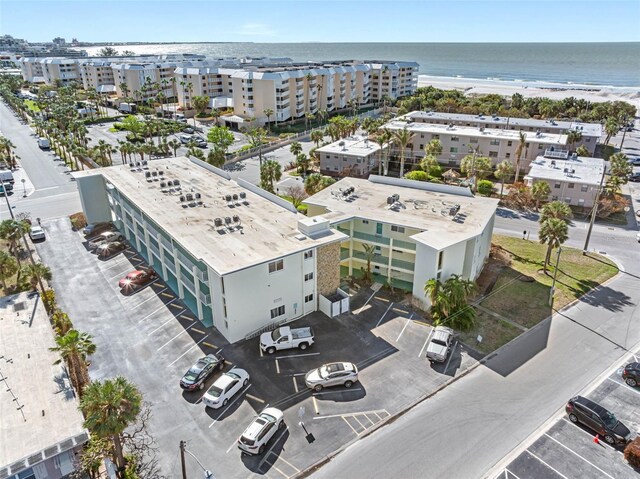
(192, 374)
(233, 375)
(609, 419)
(214, 391)
(275, 335)
(265, 418)
(439, 341)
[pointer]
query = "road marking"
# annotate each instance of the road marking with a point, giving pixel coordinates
(625, 385)
(211, 345)
(315, 404)
(295, 383)
(232, 444)
(277, 440)
(199, 331)
(47, 188)
(255, 398)
(425, 343)
(553, 469)
(385, 313)
(180, 357)
(117, 263)
(602, 443)
(298, 374)
(367, 418)
(178, 335)
(116, 276)
(156, 310)
(345, 390)
(508, 471)
(155, 295)
(405, 327)
(374, 357)
(167, 322)
(296, 355)
(358, 421)
(453, 350)
(398, 310)
(177, 306)
(349, 424)
(229, 405)
(576, 454)
(168, 295)
(261, 353)
(385, 300)
(366, 302)
(288, 463)
(277, 366)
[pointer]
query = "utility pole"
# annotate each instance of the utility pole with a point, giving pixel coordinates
(594, 211)
(183, 446)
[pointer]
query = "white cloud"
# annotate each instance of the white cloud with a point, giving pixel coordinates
(256, 29)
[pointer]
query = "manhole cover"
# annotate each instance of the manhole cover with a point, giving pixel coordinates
(20, 306)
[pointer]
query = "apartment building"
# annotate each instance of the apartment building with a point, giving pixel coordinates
(419, 230)
(215, 242)
(459, 141)
(354, 156)
(392, 79)
(62, 70)
(42, 427)
(591, 132)
(97, 75)
(573, 179)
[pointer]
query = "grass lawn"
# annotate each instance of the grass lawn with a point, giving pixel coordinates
(302, 208)
(31, 105)
(521, 291)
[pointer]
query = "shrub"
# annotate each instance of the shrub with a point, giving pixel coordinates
(632, 453)
(485, 187)
(78, 220)
(49, 300)
(417, 175)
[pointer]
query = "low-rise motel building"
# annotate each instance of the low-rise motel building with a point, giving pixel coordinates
(355, 156)
(217, 242)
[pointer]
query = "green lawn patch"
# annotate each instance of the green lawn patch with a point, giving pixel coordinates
(302, 208)
(31, 105)
(494, 332)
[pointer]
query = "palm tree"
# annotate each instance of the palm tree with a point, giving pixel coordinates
(61, 322)
(540, 191)
(322, 114)
(270, 172)
(522, 145)
(503, 172)
(611, 127)
(573, 136)
(402, 138)
(295, 148)
(200, 104)
(109, 407)
(75, 347)
(383, 138)
(36, 272)
(449, 302)
(174, 144)
(256, 140)
(553, 232)
(316, 137)
(369, 253)
(433, 148)
(215, 113)
(125, 89)
(555, 210)
(13, 231)
(268, 112)
(8, 267)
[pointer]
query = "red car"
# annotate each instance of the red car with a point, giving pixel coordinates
(138, 278)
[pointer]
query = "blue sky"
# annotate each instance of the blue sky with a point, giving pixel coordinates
(326, 21)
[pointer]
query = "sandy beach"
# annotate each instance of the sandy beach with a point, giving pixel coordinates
(555, 91)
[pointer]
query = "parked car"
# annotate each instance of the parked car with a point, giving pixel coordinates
(188, 130)
(184, 139)
(138, 278)
(43, 143)
(440, 344)
(255, 438)
(96, 228)
(598, 419)
(286, 338)
(332, 374)
(106, 237)
(197, 375)
(225, 387)
(36, 233)
(635, 177)
(635, 161)
(631, 372)
(200, 142)
(6, 177)
(107, 250)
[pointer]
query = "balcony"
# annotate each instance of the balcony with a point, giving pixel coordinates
(204, 298)
(188, 283)
(398, 263)
(344, 253)
(184, 260)
(404, 244)
(155, 249)
(371, 238)
(375, 259)
(556, 154)
(170, 266)
(166, 243)
(202, 275)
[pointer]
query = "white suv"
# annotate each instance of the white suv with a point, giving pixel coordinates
(255, 438)
(440, 344)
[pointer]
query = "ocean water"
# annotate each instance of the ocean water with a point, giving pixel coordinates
(605, 64)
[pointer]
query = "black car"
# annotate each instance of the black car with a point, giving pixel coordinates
(598, 419)
(631, 374)
(110, 249)
(198, 374)
(635, 177)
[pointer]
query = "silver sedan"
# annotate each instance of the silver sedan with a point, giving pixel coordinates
(332, 374)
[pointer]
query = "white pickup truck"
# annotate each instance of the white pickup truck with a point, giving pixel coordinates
(286, 338)
(106, 237)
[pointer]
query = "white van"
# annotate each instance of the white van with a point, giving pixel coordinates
(43, 143)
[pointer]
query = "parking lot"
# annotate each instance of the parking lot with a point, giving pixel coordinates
(152, 338)
(568, 450)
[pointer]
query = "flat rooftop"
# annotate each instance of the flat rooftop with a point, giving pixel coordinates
(474, 132)
(359, 146)
(581, 169)
(267, 230)
(587, 129)
(422, 205)
(38, 409)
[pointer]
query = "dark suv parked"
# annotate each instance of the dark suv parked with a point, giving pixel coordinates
(631, 374)
(598, 419)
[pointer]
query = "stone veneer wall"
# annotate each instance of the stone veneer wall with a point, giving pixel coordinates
(328, 268)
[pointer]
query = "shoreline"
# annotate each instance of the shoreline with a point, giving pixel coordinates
(528, 89)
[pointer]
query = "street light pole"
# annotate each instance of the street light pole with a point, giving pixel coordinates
(594, 211)
(183, 449)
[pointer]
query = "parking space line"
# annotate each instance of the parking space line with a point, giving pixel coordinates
(349, 424)
(446, 368)
(405, 327)
(552, 468)
(168, 295)
(367, 418)
(177, 306)
(315, 404)
(625, 385)
(277, 366)
(576, 454)
(365, 303)
(277, 440)
(385, 313)
(358, 421)
(296, 356)
(352, 413)
(425, 343)
(229, 405)
(255, 398)
(199, 331)
(117, 263)
(289, 464)
(278, 469)
(115, 276)
(377, 415)
(155, 295)
(295, 383)
(508, 471)
(346, 390)
(176, 336)
(159, 327)
(603, 443)
(156, 310)
(180, 357)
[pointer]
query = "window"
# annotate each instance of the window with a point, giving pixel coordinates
(365, 222)
(453, 149)
(308, 276)
(507, 155)
(308, 298)
(276, 266)
(509, 143)
(493, 154)
(275, 312)
(440, 257)
(397, 229)
(554, 198)
(556, 185)
(571, 185)
(308, 254)
(584, 188)
(436, 137)
(567, 200)
(455, 138)
(580, 202)
(588, 140)
(539, 147)
(495, 142)
(421, 146)
(473, 140)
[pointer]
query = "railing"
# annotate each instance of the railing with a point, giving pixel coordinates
(205, 298)
(344, 253)
(170, 266)
(556, 154)
(371, 238)
(166, 243)
(155, 249)
(185, 261)
(202, 275)
(404, 244)
(398, 263)
(188, 283)
(269, 327)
